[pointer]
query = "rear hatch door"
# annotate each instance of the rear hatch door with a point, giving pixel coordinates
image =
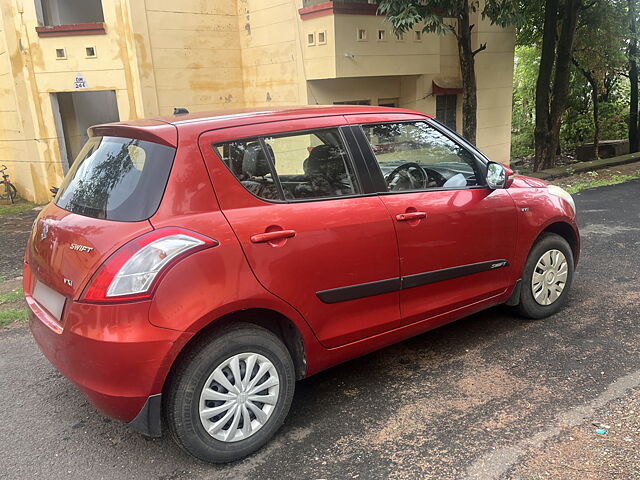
(113, 188)
(65, 249)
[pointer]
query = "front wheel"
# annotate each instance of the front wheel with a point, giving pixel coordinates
(547, 277)
(230, 394)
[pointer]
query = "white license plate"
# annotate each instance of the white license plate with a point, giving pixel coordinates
(48, 298)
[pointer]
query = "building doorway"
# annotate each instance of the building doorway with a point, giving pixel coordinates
(74, 112)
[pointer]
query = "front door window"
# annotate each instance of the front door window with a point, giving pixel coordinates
(416, 156)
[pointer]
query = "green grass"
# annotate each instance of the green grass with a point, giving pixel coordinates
(13, 315)
(15, 208)
(12, 296)
(601, 182)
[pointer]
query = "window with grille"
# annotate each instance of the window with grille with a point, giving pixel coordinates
(446, 106)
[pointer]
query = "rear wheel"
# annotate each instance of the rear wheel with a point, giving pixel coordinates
(230, 394)
(10, 193)
(547, 277)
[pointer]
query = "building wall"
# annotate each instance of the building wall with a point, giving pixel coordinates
(25, 142)
(216, 54)
(494, 74)
(35, 72)
(273, 71)
(195, 53)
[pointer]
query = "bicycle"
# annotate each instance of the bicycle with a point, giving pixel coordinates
(10, 192)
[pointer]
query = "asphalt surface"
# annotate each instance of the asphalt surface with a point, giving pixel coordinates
(464, 401)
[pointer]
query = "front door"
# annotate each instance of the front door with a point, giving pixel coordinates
(456, 237)
(311, 235)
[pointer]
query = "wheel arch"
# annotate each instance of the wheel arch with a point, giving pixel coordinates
(566, 231)
(272, 320)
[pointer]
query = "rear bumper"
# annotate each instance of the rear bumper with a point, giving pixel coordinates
(112, 353)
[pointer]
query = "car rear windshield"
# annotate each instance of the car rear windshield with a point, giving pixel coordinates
(115, 178)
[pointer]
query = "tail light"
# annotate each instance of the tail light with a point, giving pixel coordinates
(132, 272)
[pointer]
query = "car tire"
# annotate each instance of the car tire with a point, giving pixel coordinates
(255, 348)
(539, 296)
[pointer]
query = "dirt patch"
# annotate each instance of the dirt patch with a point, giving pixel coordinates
(10, 285)
(491, 393)
(14, 231)
(604, 175)
(487, 383)
(608, 448)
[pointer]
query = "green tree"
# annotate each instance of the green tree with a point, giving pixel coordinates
(598, 54)
(436, 16)
(552, 88)
(596, 64)
(527, 63)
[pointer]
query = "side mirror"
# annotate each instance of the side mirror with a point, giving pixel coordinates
(499, 176)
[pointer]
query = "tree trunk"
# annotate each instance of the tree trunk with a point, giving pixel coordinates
(468, 70)
(595, 97)
(596, 120)
(543, 85)
(560, 93)
(633, 78)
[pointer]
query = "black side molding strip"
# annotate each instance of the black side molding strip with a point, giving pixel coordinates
(363, 290)
(448, 273)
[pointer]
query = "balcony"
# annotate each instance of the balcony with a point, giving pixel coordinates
(349, 39)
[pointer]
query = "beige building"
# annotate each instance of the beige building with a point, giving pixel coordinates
(69, 64)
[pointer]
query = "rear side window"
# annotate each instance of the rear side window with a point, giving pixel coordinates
(115, 178)
(295, 166)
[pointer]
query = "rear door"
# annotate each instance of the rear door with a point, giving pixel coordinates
(456, 237)
(311, 229)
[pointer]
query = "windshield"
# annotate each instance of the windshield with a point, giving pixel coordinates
(116, 178)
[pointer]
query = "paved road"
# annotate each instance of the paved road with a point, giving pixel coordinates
(462, 401)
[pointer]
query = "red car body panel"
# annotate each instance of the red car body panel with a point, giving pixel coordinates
(112, 353)
(360, 226)
(120, 354)
(52, 260)
(462, 227)
(538, 211)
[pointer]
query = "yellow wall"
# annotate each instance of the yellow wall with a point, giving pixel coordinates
(494, 73)
(215, 54)
(195, 53)
(272, 67)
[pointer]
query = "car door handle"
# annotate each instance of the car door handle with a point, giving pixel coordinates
(272, 236)
(409, 216)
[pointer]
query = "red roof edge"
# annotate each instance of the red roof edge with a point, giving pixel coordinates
(438, 90)
(332, 8)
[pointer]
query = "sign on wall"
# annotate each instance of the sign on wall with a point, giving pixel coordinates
(80, 82)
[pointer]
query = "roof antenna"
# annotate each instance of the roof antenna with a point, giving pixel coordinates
(180, 110)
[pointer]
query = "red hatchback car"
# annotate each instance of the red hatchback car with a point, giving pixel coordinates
(190, 269)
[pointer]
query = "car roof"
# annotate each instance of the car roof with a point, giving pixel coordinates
(244, 116)
(162, 129)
